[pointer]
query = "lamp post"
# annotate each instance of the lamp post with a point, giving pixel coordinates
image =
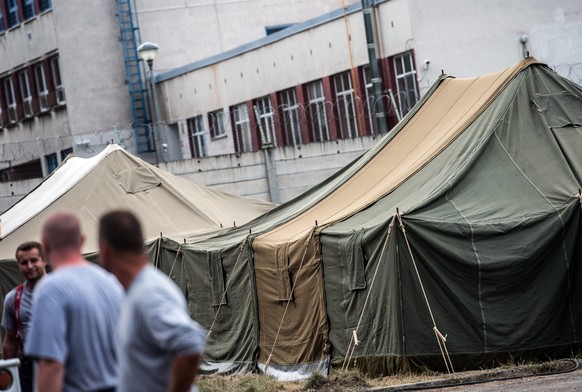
(147, 52)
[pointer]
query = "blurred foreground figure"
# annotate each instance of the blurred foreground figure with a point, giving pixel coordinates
(75, 315)
(160, 346)
(17, 310)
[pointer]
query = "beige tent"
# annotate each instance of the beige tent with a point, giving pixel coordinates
(164, 203)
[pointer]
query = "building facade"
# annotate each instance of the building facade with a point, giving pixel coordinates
(312, 82)
(237, 82)
(68, 68)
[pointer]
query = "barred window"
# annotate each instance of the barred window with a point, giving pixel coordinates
(317, 112)
(291, 123)
(197, 137)
(346, 110)
(25, 93)
(242, 128)
(216, 124)
(266, 121)
(405, 82)
(10, 100)
(41, 86)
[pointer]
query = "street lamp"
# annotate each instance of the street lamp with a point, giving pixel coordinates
(147, 52)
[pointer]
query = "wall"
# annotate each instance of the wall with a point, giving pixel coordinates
(471, 38)
(211, 27)
(11, 192)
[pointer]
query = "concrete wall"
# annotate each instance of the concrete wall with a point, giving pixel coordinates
(207, 27)
(471, 38)
(297, 168)
(463, 38)
(11, 192)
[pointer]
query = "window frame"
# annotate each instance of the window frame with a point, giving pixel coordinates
(12, 17)
(217, 121)
(317, 101)
(25, 93)
(265, 121)
(57, 81)
(242, 128)
(291, 122)
(408, 77)
(197, 136)
(345, 99)
(43, 94)
(31, 7)
(51, 161)
(44, 6)
(10, 99)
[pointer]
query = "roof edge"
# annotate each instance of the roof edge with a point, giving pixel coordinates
(270, 39)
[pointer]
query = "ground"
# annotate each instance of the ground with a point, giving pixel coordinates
(563, 375)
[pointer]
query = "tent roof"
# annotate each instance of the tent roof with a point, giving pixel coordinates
(114, 178)
(446, 113)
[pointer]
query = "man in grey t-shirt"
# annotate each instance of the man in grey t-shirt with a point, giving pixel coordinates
(159, 346)
(17, 310)
(75, 315)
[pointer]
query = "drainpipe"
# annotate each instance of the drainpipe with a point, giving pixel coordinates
(380, 120)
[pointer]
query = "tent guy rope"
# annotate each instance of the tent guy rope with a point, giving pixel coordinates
(441, 339)
(354, 341)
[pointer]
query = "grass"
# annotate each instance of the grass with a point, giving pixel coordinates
(354, 381)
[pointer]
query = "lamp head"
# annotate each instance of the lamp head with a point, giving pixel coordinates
(148, 51)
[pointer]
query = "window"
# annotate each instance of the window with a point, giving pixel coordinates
(242, 128)
(59, 89)
(216, 123)
(45, 5)
(51, 162)
(41, 87)
(65, 153)
(12, 9)
(25, 93)
(10, 100)
(317, 111)
(370, 99)
(291, 123)
(405, 82)
(197, 137)
(28, 9)
(266, 121)
(1, 20)
(345, 105)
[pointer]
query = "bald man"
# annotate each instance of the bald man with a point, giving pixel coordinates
(75, 315)
(160, 346)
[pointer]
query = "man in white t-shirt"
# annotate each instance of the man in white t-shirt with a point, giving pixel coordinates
(159, 345)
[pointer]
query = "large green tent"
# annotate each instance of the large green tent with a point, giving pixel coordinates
(456, 239)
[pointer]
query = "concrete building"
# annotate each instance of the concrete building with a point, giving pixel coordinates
(69, 67)
(311, 83)
(246, 105)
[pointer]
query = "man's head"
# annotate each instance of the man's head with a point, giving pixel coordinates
(120, 241)
(62, 238)
(31, 261)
